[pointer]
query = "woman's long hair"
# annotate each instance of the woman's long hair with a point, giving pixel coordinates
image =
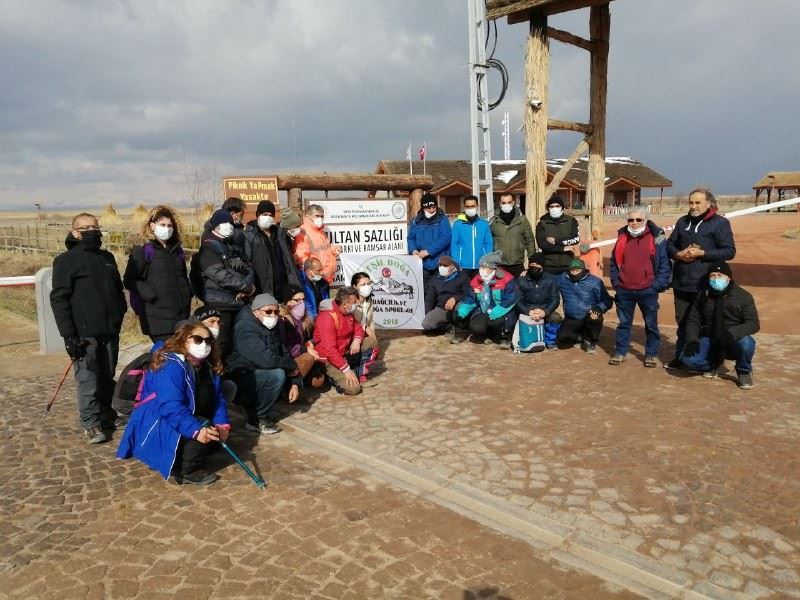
(177, 344)
(159, 212)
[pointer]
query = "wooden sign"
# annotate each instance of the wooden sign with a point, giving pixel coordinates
(251, 189)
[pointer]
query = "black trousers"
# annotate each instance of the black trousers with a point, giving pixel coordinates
(191, 456)
(574, 329)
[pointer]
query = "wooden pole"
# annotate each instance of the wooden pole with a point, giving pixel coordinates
(599, 28)
(537, 72)
(562, 172)
(295, 201)
(353, 181)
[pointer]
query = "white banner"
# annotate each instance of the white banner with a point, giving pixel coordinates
(397, 291)
(381, 238)
(392, 210)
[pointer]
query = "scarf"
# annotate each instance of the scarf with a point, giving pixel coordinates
(507, 217)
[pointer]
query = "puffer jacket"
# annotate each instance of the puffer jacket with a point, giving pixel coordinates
(662, 268)
(470, 240)
(495, 299)
(456, 285)
(739, 312)
(537, 292)
(713, 234)
(432, 234)
(157, 425)
(564, 230)
(221, 272)
(513, 240)
(310, 242)
(334, 331)
(256, 347)
(581, 296)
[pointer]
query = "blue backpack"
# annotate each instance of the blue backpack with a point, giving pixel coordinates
(528, 335)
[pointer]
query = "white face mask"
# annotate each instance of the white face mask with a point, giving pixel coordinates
(316, 277)
(507, 208)
(294, 232)
(365, 290)
(444, 271)
(471, 212)
(636, 232)
(225, 230)
(555, 211)
(214, 331)
(430, 213)
(318, 222)
(266, 221)
(270, 321)
(163, 232)
(199, 351)
(486, 274)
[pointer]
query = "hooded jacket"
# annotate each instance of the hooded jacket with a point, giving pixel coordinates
(256, 347)
(432, 234)
(260, 252)
(310, 242)
(87, 297)
(739, 313)
(513, 240)
(713, 234)
(537, 292)
(583, 295)
(162, 283)
(470, 240)
(221, 272)
(564, 230)
(656, 244)
(334, 331)
(157, 425)
(456, 285)
(497, 297)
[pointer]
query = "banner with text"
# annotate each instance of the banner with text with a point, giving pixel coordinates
(397, 287)
(367, 210)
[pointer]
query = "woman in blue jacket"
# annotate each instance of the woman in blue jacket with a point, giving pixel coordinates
(182, 411)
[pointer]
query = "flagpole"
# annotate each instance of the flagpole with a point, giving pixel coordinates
(424, 157)
(410, 163)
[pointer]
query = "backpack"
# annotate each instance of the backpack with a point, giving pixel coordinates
(149, 252)
(128, 391)
(528, 335)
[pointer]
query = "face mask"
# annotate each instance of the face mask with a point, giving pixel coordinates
(555, 211)
(444, 271)
(265, 221)
(163, 232)
(92, 238)
(535, 271)
(471, 212)
(214, 331)
(318, 221)
(507, 208)
(316, 277)
(199, 351)
(294, 232)
(487, 275)
(225, 230)
(298, 311)
(575, 277)
(636, 232)
(365, 290)
(270, 321)
(430, 215)
(350, 309)
(718, 284)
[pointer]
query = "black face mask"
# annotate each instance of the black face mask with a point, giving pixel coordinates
(92, 238)
(535, 272)
(575, 277)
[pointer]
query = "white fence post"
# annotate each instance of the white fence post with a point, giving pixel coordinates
(50, 341)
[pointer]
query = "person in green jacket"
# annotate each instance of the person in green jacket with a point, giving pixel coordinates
(512, 235)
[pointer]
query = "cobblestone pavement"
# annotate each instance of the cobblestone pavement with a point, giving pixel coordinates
(76, 523)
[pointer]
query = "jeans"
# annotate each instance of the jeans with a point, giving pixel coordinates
(94, 374)
(258, 391)
(627, 301)
(683, 302)
(742, 352)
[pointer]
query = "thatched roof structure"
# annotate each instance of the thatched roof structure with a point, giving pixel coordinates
(777, 180)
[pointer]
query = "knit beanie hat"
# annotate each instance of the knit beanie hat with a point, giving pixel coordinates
(201, 313)
(219, 217)
(577, 263)
(536, 257)
(721, 267)
(428, 200)
(262, 300)
(290, 291)
(289, 218)
(265, 206)
(555, 200)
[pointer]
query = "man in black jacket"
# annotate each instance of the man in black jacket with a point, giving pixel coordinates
(720, 325)
(260, 364)
(267, 250)
(538, 293)
(89, 304)
(556, 234)
(449, 287)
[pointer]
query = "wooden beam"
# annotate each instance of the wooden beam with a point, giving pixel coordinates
(518, 10)
(537, 73)
(585, 128)
(353, 181)
(599, 28)
(569, 38)
(582, 148)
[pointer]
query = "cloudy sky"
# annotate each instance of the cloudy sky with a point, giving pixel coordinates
(123, 101)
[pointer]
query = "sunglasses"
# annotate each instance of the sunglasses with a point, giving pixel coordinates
(635, 220)
(270, 311)
(199, 339)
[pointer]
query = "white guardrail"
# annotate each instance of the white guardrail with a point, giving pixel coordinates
(17, 281)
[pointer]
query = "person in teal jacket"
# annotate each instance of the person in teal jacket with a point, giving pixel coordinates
(471, 237)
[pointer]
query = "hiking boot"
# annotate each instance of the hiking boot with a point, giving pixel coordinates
(198, 477)
(488, 341)
(264, 426)
(651, 362)
(711, 374)
(745, 381)
(617, 359)
(676, 364)
(588, 347)
(95, 435)
(551, 347)
(458, 337)
(504, 343)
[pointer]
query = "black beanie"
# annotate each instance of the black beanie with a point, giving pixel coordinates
(290, 290)
(721, 267)
(265, 206)
(555, 200)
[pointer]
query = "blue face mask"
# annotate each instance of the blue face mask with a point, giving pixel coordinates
(718, 284)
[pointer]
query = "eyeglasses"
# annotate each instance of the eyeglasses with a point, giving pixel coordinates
(270, 311)
(199, 339)
(635, 220)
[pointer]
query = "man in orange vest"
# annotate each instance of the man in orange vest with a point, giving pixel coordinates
(312, 242)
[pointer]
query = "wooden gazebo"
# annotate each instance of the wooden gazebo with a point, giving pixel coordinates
(779, 182)
(537, 122)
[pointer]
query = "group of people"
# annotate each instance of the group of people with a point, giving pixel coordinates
(481, 288)
(268, 325)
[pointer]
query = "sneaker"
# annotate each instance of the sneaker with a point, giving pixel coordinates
(651, 362)
(504, 343)
(95, 435)
(488, 341)
(712, 374)
(745, 381)
(588, 347)
(617, 359)
(268, 427)
(676, 364)
(199, 477)
(458, 337)
(551, 347)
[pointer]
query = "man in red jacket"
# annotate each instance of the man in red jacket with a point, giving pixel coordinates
(337, 339)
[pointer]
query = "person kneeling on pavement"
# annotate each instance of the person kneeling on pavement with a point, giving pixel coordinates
(337, 338)
(537, 292)
(182, 411)
(585, 300)
(720, 325)
(260, 365)
(490, 307)
(447, 289)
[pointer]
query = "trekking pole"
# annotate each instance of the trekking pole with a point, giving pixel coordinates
(256, 479)
(58, 387)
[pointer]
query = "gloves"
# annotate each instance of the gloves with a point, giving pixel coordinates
(691, 348)
(76, 347)
(496, 313)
